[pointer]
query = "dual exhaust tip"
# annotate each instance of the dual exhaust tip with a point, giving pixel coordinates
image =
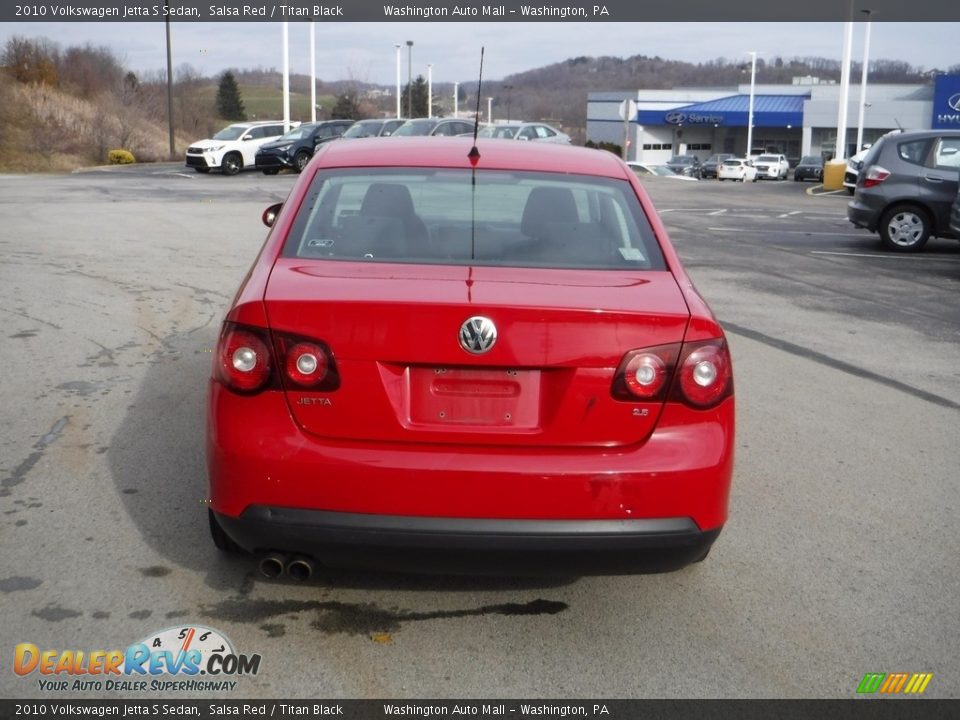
(274, 565)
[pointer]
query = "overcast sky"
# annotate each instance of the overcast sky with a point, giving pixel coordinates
(365, 51)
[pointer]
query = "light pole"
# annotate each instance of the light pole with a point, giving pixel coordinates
(508, 88)
(313, 71)
(429, 90)
(863, 80)
(286, 77)
(456, 99)
(489, 109)
(409, 79)
(169, 83)
(753, 84)
(841, 150)
(397, 46)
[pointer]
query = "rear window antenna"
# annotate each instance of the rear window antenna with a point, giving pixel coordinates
(474, 154)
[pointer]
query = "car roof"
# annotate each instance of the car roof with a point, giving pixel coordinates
(452, 152)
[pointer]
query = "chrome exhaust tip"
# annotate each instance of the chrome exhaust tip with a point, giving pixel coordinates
(300, 569)
(272, 565)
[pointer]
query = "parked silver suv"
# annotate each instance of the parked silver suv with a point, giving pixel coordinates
(906, 187)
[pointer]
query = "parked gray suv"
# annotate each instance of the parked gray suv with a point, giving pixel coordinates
(906, 187)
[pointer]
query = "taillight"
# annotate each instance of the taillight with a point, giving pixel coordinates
(246, 361)
(705, 375)
(875, 175)
(307, 364)
(645, 374)
(243, 359)
(698, 374)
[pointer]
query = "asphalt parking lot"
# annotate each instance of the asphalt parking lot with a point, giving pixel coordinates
(839, 558)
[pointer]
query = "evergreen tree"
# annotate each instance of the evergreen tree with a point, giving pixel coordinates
(229, 104)
(419, 99)
(347, 107)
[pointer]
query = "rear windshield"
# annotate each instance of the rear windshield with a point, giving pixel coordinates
(768, 158)
(733, 163)
(507, 218)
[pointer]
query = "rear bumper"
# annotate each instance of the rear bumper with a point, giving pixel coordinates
(476, 545)
(657, 504)
(863, 216)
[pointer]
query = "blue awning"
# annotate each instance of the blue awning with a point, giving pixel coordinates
(732, 111)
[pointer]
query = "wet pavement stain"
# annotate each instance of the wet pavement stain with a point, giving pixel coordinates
(23, 334)
(39, 447)
(140, 614)
(100, 615)
(155, 571)
(19, 582)
(274, 630)
(364, 618)
(176, 614)
(55, 613)
(79, 387)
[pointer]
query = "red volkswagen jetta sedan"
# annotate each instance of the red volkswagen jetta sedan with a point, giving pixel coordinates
(484, 361)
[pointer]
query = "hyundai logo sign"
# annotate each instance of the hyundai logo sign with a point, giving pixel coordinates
(946, 102)
(674, 118)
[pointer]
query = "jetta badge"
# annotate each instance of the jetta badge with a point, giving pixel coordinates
(478, 334)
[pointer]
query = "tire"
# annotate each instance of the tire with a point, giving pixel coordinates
(232, 163)
(271, 171)
(220, 538)
(202, 171)
(904, 228)
(300, 161)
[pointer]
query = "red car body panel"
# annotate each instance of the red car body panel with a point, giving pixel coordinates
(374, 445)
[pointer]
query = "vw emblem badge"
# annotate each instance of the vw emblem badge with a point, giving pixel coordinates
(954, 102)
(478, 334)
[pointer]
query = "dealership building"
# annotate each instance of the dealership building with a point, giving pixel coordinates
(797, 119)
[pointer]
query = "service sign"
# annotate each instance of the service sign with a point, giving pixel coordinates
(946, 103)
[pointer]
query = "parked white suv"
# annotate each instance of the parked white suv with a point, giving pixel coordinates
(772, 166)
(233, 148)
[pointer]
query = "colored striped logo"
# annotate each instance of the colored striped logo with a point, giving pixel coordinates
(894, 683)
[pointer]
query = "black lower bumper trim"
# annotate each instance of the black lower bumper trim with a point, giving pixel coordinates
(485, 546)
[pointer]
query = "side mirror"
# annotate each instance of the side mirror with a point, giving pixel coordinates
(269, 216)
(523, 137)
(247, 137)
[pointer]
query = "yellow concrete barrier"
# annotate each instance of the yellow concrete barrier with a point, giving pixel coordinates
(833, 174)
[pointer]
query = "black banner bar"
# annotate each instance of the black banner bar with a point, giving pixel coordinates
(473, 11)
(856, 709)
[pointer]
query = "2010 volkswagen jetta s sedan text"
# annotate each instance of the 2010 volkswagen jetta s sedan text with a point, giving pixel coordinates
(466, 359)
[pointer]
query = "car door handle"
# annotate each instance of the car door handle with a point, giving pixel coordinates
(933, 178)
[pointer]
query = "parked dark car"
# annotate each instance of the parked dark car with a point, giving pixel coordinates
(710, 165)
(906, 187)
(688, 165)
(295, 149)
(434, 126)
(373, 128)
(810, 167)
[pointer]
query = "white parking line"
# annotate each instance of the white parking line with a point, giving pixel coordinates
(717, 212)
(795, 212)
(888, 255)
(787, 232)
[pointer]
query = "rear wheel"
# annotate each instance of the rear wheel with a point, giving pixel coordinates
(300, 161)
(271, 171)
(232, 164)
(904, 228)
